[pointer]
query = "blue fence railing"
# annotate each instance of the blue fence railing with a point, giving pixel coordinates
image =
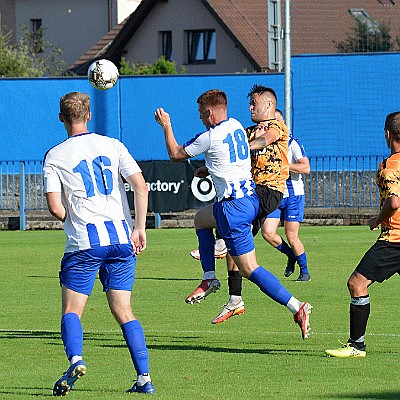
(342, 181)
(333, 182)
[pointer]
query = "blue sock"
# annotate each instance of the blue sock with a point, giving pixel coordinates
(206, 249)
(72, 335)
(270, 285)
(302, 261)
(286, 249)
(136, 342)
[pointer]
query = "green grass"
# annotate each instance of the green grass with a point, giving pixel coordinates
(258, 355)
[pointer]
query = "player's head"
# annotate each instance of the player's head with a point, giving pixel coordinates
(75, 108)
(262, 103)
(212, 106)
(392, 128)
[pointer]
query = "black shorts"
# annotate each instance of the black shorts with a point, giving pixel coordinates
(381, 261)
(269, 201)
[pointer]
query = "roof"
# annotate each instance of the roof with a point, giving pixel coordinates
(316, 27)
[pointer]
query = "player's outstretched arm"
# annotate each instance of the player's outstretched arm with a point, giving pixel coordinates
(176, 152)
(302, 166)
(263, 137)
(139, 186)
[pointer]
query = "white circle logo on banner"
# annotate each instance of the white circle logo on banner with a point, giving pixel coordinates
(203, 188)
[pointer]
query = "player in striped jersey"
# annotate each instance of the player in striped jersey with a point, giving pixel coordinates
(227, 158)
(84, 189)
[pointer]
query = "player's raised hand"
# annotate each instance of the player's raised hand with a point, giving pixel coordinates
(162, 117)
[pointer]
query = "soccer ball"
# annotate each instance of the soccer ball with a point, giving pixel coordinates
(103, 74)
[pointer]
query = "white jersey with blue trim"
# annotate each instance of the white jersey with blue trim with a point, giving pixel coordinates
(294, 184)
(227, 158)
(86, 169)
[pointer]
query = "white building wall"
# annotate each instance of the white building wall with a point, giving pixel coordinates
(72, 25)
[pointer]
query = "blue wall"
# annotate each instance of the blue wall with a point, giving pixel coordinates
(339, 104)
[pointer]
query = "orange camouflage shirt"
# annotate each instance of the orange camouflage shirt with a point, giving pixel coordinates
(270, 166)
(388, 180)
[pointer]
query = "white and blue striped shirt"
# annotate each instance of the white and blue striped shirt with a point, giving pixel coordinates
(87, 170)
(227, 158)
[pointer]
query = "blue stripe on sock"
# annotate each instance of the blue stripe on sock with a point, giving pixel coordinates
(206, 249)
(136, 342)
(72, 335)
(270, 285)
(302, 261)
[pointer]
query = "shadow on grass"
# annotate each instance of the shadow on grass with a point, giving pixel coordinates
(46, 392)
(372, 395)
(10, 334)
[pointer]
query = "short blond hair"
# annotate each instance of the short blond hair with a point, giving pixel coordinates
(75, 107)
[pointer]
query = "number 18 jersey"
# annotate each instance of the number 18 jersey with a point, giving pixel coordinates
(227, 158)
(86, 169)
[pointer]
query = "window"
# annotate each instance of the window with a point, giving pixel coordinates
(37, 35)
(201, 47)
(166, 45)
(362, 17)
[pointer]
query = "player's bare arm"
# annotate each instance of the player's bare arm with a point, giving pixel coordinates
(301, 167)
(263, 137)
(140, 189)
(390, 206)
(176, 152)
(55, 205)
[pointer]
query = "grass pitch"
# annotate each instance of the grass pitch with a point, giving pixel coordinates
(258, 355)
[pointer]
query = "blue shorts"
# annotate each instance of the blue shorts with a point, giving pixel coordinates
(115, 264)
(234, 221)
(291, 209)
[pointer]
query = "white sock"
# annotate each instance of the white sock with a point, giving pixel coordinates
(235, 299)
(143, 379)
(294, 305)
(75, 359)
(220, 245)
(209, 275)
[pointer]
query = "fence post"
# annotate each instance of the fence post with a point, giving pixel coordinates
(157, 220)
(22, 210)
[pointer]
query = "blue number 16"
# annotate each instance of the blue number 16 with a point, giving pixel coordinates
(103, 176)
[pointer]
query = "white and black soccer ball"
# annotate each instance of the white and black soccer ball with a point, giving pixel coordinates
(103, 74)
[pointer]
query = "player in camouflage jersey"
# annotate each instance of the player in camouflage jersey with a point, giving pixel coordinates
(381, 261)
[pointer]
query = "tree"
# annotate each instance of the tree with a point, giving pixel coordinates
(160, 67)
(24, 60)
(367, 39)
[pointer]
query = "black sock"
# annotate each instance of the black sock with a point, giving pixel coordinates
(359, 314)
(234, 283)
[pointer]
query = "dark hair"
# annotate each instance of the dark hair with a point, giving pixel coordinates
(259, 89)
(392, 124)
(213, 97)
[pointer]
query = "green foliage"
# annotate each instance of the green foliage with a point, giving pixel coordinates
(160, 67)
(365, 39)
(31, 56)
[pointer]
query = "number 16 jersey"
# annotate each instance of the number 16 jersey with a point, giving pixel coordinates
(86, 169)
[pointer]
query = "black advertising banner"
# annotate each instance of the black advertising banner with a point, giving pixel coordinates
(173, 186)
